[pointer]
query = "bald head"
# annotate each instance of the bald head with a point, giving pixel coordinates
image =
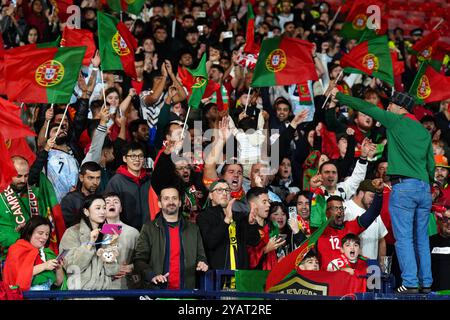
(19, 182)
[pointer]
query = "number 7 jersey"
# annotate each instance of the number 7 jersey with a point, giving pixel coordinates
(329, 243)
(62, 171)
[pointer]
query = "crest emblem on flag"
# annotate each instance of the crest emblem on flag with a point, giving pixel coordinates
(276, 61)
(426, 53)
(8, 144)
(359, 23)
(49, 73)
(119, 45)
(371, 62)
(199, 82)
(424, 88)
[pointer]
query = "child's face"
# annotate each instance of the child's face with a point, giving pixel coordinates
(351, 250)
(310, 264)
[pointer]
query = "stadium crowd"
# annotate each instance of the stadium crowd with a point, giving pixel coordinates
(151, 200)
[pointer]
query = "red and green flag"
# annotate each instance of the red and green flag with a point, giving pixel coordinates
(250, 45)
(11, 128)
(371, 57)
(429, 85)
(355, 24)
(52, 211)
(78, 38)
(318, 216)
(284, 61)
(430, 49)
(285, 266)
(117, 45)
(42, 75)
(200, 76)
(131, 6)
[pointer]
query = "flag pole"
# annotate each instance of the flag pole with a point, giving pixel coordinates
(103, 87)
(62, 119)
(439, 23)
(334, 18)
(329, 95)
(185, 122)
(48, 123)
(248, 98)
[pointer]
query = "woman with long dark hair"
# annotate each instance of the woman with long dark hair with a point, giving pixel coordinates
(30, 264)
(84, 263)
(288, 229)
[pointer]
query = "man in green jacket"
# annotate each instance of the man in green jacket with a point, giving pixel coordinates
(170, 249)
(411, 170)
(19, 201)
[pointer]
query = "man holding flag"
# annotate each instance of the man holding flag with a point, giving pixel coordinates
(411, 169)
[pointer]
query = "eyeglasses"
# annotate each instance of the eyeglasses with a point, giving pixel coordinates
(222, 190)
(135, 156)
(445, 219)
(336, 208)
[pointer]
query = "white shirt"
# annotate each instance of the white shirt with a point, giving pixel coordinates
(371, 236)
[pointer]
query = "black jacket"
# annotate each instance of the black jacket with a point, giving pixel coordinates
(216, 239)
(135, 209)
(70, 206)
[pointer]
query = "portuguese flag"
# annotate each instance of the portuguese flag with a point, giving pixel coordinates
(430, 49)
(429, 85)
(80, 37)
(11, 129)
(355, 23)
(53, 211)
(131, 6)
(285, 266)
(250, 45)
(117, 45)
(200, 82)
(42, 75)
(371, 57)
(284, 61)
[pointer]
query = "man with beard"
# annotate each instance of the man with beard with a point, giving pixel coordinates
(329, 243)
(89, 181)
(231, 171)
(373, 244)
(20, 200)
(226, 234)
(441, 173)
(61, 165)
(327, 178)
(169, 249)
(264, 255)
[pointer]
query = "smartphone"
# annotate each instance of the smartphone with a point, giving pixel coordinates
(201, 14)
(110, 228)
(200, 29)
(292, 212)
(270, 34)
(61, 255)
(233, 19)
(227, 34)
